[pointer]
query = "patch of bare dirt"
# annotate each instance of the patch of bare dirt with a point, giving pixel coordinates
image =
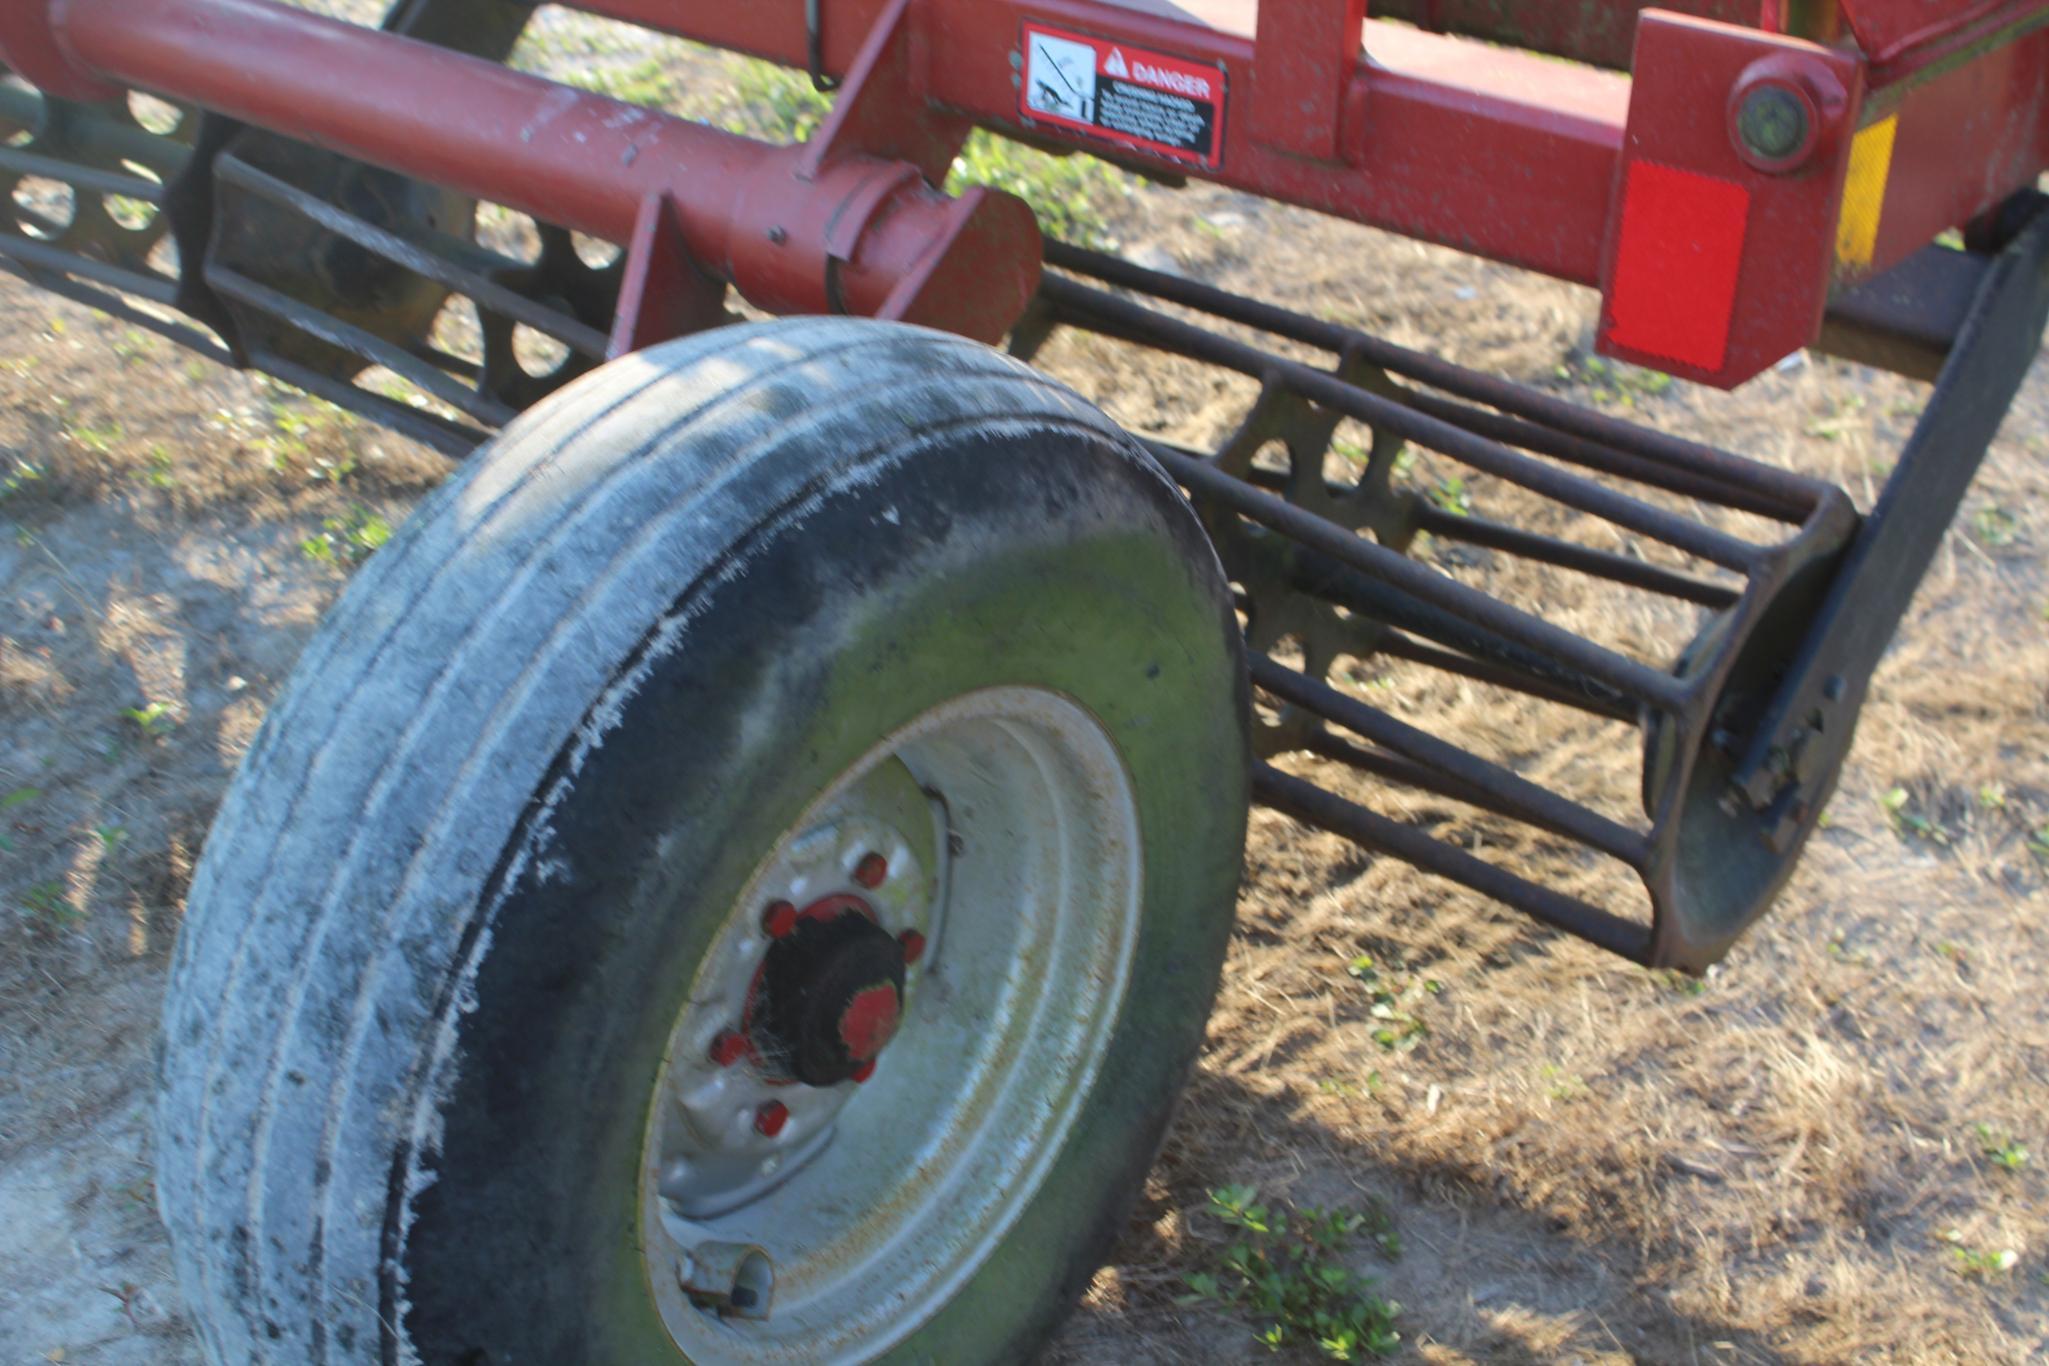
(1585, 1162)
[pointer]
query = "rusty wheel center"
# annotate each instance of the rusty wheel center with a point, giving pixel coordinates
(829, 997)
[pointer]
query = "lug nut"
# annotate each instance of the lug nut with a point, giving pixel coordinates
(729, 1047)
(779, 919)
(872, 870)
(770, 1119)
(913, 945)
(864, 1071)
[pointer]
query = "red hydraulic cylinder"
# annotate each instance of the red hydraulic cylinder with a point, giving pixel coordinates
(846, 239)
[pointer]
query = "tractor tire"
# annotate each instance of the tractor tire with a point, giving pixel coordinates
(741, 877)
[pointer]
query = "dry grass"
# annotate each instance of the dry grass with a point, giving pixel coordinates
(1587, 1162)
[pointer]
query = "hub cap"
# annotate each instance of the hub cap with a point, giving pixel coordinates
(892, 1034)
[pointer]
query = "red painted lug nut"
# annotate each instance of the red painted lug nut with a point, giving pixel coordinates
(729, 1047)
(779, 919)
(864, 1071)
(872, 870)
(770, 1119)
(913, 945)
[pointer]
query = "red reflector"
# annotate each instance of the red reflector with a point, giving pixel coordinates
(1674, 285)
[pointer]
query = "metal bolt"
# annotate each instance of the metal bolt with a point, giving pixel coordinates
(864, 1071)
(872, 870)
(779, 919)
(778, 235)
(1772, 122)
(770, 1119)
(729, 1047)
(1835, 687)
(913, 946)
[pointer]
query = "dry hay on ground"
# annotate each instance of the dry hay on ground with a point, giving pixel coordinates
(1585, 1162)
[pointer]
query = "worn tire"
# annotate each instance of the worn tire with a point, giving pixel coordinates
(423, 966)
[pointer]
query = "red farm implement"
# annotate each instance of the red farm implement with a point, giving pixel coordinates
(742, 875)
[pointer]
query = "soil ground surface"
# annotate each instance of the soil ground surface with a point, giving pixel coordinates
(1815, 1154)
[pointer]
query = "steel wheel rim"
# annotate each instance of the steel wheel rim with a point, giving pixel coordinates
(883, 1196)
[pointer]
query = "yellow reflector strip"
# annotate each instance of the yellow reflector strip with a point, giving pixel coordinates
(1864, 192)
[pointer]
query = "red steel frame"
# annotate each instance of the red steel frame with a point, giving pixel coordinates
(1713, 261)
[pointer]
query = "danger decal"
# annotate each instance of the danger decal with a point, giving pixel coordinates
(1162, 104)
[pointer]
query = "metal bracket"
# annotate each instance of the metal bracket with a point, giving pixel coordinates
(1803, 733)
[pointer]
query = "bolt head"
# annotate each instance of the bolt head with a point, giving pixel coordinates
(872, 871)
(1772, 122)
(913, 945)
(779, 919)
(729, 1047)
(770, 1119)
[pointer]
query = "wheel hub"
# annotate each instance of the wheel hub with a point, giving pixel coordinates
(830, 994)
(965, 900)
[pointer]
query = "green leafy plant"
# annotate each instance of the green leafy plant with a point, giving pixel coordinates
(46, 906)
(1394, 1003)
(153, 719)
(1069, 192)
(1996, 527)
(1560, 1084)
(1979, 1263)
(158, 472)
(1895, 804)
(1681, 983)
(19, 475)
(347, 539)
(1281, 1268)
(1450, 496)
(2004, 1150)
(1614, 382)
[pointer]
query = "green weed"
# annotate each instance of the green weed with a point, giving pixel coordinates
(1282, 1270)
(18, 476)
(159, 471)
(152, 719)
(1070, 193)
(1394, 1004)
(45, 905)
(1979, 1263)
(1995, 527)
(1615, 383)
(1895, 805)
(348, 538)
(1683, 983)
(2003, 1149)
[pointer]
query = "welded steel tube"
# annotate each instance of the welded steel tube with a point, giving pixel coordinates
(795, 238)
(564, 155)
